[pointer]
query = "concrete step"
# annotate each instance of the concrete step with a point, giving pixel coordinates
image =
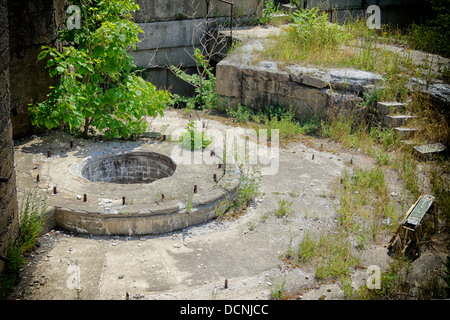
(427, 151)
(405, 131)
(389, 107)
(397, 120)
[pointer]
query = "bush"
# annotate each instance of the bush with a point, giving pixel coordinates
(432, 36)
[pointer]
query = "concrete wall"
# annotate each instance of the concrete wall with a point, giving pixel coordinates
(8, 201)
(172, 29)
(305, 91)
(32, 24)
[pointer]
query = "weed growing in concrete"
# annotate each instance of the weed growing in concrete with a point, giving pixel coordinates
(251, 226)
(248, 190)
(277, 290)
(194, 139)
(284, 208)
(189, 204)
(32, 219)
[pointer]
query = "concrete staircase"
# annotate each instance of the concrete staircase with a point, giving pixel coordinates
(394, 116)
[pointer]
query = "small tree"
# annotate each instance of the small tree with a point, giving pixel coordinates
(99, 86)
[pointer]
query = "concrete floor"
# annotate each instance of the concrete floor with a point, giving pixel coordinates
(194, 263)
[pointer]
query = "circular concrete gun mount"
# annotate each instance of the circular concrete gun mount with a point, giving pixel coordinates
(134, 188)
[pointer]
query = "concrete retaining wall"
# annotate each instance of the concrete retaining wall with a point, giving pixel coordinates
(8, 201)
(32, 24)
(305, 91)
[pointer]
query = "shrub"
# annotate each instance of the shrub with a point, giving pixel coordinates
(98, 85)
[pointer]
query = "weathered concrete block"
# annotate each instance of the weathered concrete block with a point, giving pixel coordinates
(170, 34)
(309, 76)
(161, 10)
(164, 57)
(387, 107)
(230, 83)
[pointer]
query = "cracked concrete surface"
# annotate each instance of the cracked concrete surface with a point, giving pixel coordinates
(193, 263)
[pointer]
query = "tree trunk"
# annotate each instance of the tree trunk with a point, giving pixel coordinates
(87, 122)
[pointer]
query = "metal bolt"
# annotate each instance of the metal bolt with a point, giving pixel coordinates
(195, 188)
(215, 177)
(123, 200)
(48, 153)
(71, 144)
(313, 157)
(226, 283)
(54, 190)
(351, 161)
(220, 165)
(84, 197)
(37, 178)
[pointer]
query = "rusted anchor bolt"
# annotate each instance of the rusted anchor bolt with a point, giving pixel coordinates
(54, 190)
(215, 177)
(220, 165)
(123, 200)
(195, 188)
(48, 153)
(37, 178)
(226, 283)
(84, 197)
(71, 144)
(313, 157)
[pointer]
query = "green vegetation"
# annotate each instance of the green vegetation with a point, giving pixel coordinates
(311, 39)
(194, 139)
(432, 36)
(248, 191)
(32, 219)
(204, 82)
(284, 208)
(274, 117)
(98, 85)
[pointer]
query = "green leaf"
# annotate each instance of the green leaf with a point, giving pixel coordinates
(42, 55)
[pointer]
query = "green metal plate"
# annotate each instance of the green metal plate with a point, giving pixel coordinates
(419, 211)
